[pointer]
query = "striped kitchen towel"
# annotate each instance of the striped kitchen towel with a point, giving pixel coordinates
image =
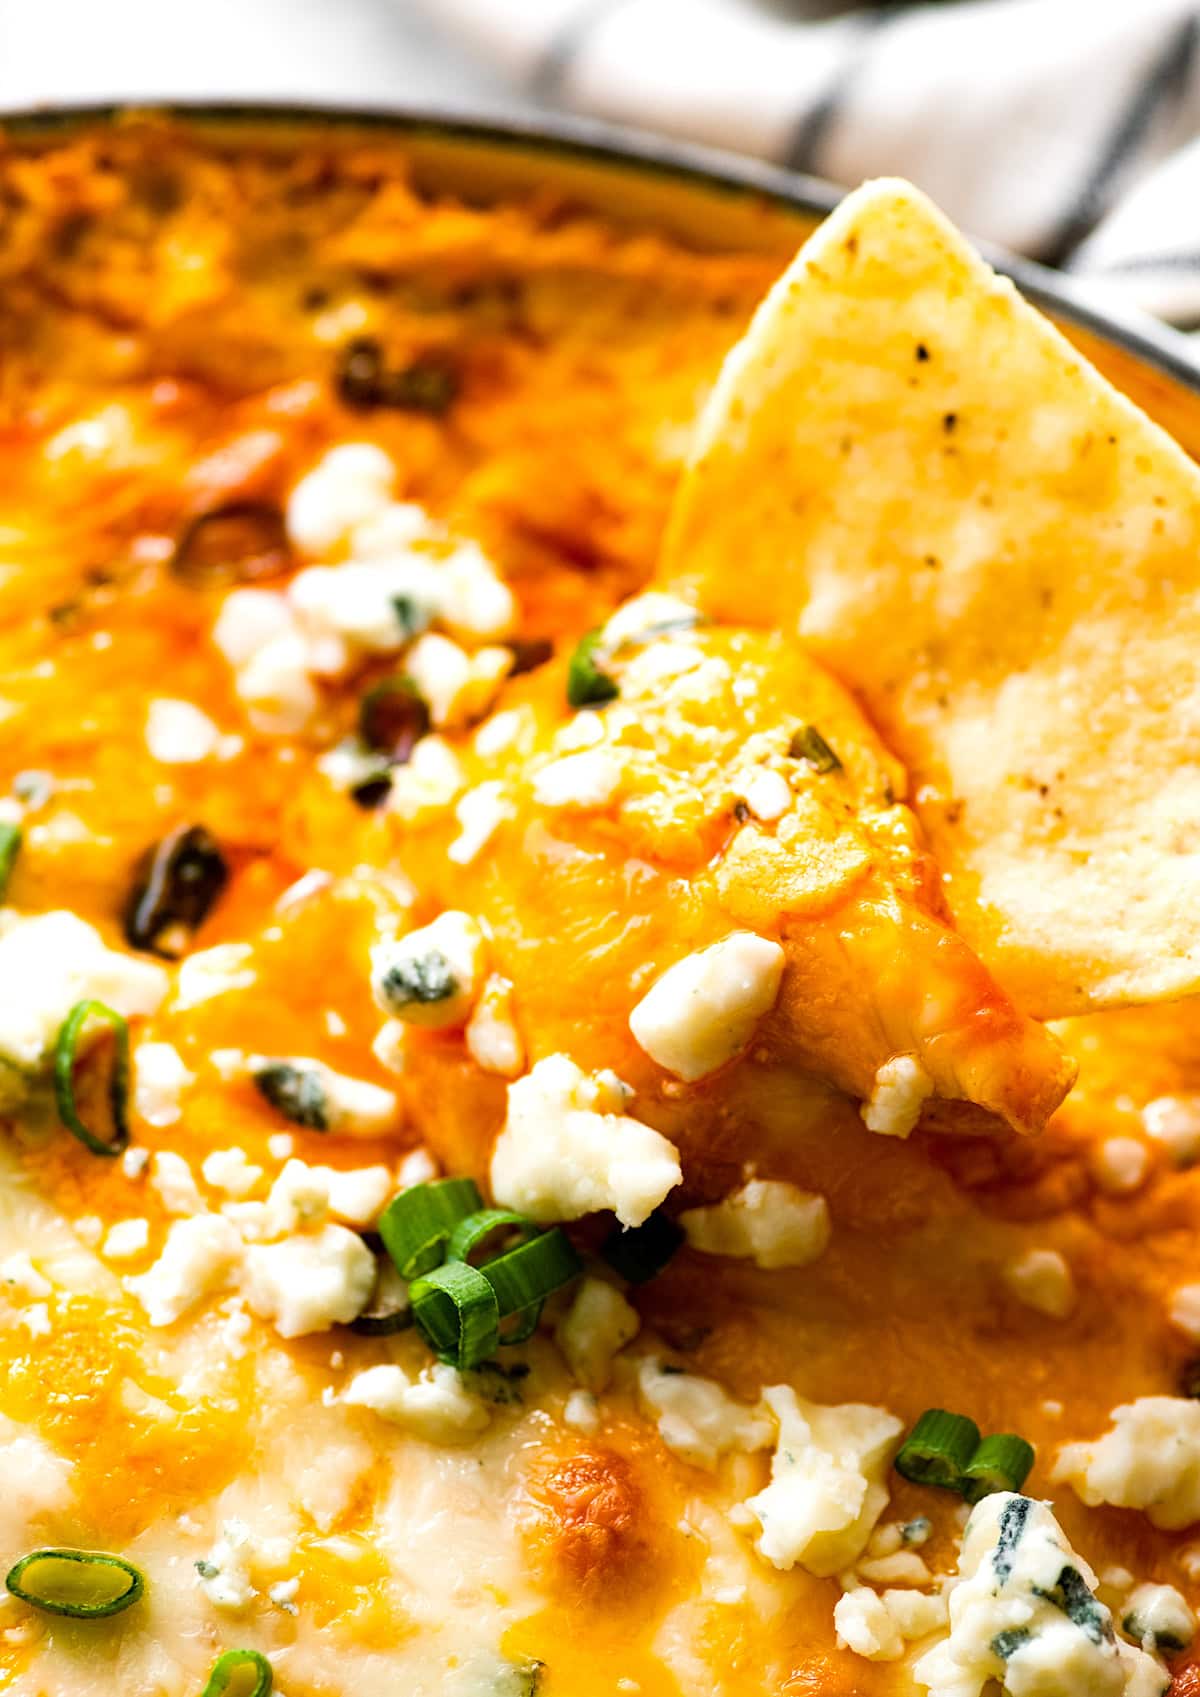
(1068, 130)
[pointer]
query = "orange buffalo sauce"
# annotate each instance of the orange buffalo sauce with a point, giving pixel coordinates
(188, 329)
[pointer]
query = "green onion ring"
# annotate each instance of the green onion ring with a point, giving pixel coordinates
(64, 1583)
(468, 1234)
(10, 848)
(521, 1325)
(416, 1224)
(226, 1666)
(587, 684)
(455, 1311)
(524, 1277)
(1002, 1462)
(65, 1047)
(938, 1450)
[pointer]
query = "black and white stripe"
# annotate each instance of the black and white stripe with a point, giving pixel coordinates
(1069, 129)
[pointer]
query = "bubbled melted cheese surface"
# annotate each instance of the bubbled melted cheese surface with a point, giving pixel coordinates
(171, 320)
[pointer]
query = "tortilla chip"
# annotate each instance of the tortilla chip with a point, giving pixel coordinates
(1000, 555)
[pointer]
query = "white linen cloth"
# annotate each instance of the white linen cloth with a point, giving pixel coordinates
(1068, 130)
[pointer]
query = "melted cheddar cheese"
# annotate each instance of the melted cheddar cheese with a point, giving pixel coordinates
(312, 481)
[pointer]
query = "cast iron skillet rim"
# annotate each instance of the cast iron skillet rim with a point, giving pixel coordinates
(589, 139)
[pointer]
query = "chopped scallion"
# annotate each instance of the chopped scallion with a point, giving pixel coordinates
(456, 1312)
(809, 745)
(642, 1252)
(1001, 1462)
(84, 1584)
(587, 684)
(525, 1276)
(938, 1449)
(66, 1045)
(416, 1225)
(226, 1669)
(10, 847)
(473, 1232)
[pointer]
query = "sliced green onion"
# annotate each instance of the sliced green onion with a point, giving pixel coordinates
(65, 1046)
(642, 1252)
(456, 1313)
(85, 1584)
(10, 847)
(226, 1668)
(938, 1450)
(809, 745)
(1000, 1463)
(416, 1225)
(524, 1277)
(469, 1234)
(587, 684)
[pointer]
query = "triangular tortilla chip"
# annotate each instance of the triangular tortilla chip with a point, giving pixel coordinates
(1000, 555)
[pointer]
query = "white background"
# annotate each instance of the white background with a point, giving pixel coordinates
(373, 51)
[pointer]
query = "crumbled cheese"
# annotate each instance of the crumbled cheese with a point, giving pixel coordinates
(558, 1158)
(703, 1010)
(200, 1256)
(865, 1626)
(172, 1178)
(417, 1167)
(429, 782)
(229, 1171)
(493, 1040)
(391, 531)
(767, 794)
(648, 616)
(302, 1196)
(903, 1567)
(436, 1406)
(350, 485)
(880, 1627)
(21, 1279)
(281, 1145)
(1042, 1280)
(581, 1412)
(458, 687)
(126, 1239)
(502, 732)
(589, 779)
(48, 963)
(375, 607)
(431, 976)
(159, 1080)
(1119, 1165)
(249, 619)
(283, 1595)
(1149, 1460)
(1024, 1616)
(1158, 1618)
(826, 1490)
(480, 813)
(476, 605)
(1184, 1310)
(134, 1163)
(901, 1088)
(210, 973)
(179, 734)
(696, 1418)
(772, 1222)
(310, 1283)
(596, 1327)
(1174, 1123)
(275, 685)
(223, 1575)
(314, 1095)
